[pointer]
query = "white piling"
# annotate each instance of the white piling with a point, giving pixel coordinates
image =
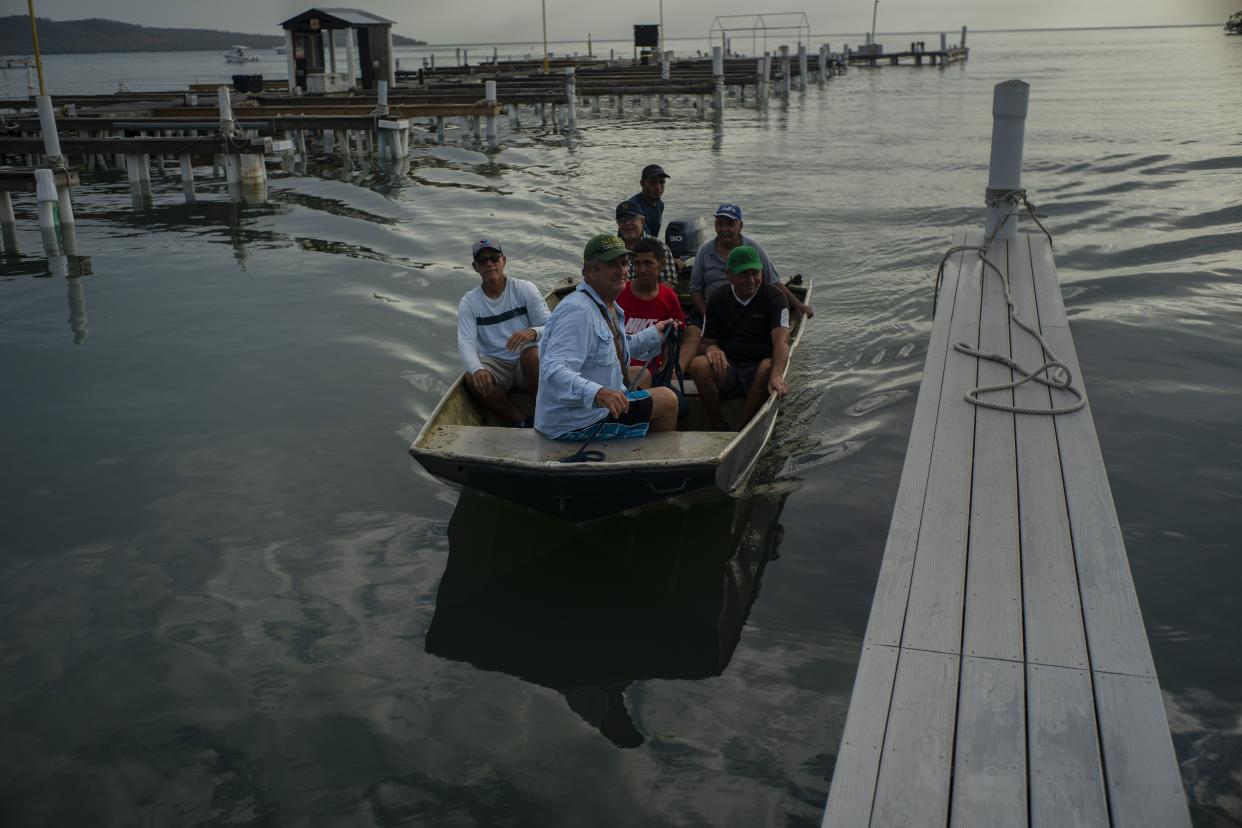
(571, 98)
(187, 177)
(252, 173)
(944, 42)
(349, 54)
(963, 43)
(290, 64)
(785, 84)
(227, 125)
(489, 96)
(45, 192)
(1009, 107)
(47, 125)
(802, 67)
(8, 225)
(440, 129)
(6, 209)
(761, 70)
(719, 79)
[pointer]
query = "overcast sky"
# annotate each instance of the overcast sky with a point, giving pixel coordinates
(447, 21)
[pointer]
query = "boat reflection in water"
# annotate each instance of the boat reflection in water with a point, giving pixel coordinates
(588, 611)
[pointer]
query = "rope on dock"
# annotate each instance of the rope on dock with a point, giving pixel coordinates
(1053, 373)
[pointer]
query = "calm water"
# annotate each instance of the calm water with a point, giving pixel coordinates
(228, 595)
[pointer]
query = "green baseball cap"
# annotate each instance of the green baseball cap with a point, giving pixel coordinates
(606, 247)
(742, 259)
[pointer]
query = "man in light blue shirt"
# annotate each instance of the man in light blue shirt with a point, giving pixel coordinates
(582, 388)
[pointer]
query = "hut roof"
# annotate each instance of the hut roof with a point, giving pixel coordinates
(337, 18)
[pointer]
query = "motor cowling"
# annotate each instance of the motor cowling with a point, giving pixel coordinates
(685, 236)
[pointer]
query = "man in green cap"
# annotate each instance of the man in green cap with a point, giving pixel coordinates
(745, 340)
(585, 351)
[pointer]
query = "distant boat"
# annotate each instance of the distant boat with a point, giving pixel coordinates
(280, 50)
(238, 54)
(1233, 25)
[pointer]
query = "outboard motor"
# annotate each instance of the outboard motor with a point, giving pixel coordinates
(685, 236)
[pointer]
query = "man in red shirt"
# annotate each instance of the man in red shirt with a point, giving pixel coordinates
(646, 300)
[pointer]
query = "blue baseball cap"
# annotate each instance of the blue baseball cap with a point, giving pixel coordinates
(730, 211)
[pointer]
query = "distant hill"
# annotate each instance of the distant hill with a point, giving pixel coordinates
(99, 35)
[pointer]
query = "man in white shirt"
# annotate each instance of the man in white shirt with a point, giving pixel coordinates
(498, 324)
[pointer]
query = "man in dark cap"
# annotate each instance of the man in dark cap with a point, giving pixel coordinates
(648, 200)
(631, 228)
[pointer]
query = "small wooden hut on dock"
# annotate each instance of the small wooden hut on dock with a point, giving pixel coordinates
(310, 49)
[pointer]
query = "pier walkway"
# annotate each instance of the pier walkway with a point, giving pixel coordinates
(1005, 676)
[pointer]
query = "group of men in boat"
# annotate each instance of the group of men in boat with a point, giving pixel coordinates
(589, 364)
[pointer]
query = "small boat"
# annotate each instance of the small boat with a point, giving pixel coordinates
(1233, 25)
(238, 54)
(464, 444)
(280, 50)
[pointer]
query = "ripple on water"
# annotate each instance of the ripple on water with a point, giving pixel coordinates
(880, 399)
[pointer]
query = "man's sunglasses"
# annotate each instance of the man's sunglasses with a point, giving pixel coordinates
(488, 259)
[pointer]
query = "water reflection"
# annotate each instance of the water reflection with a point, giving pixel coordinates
(589, 611)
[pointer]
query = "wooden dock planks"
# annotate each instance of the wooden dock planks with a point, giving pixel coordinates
(1006, 678)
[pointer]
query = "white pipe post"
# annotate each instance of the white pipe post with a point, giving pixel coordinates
(489, 96)
(963, 43)
(227, 125)
(801, 67)
(719, 79)
(45, 191)
(350, 34)
(944, 42)
(253, 175)
(7, 216)
(1009, 107)
(187, 177)
(761, 69)
(384, 137)
(571, 97)
(47, 125)
(290, 64)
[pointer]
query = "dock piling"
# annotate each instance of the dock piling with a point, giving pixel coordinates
(963, 43)
(802, 67)
(571, 99)
(8, 225)
(719, 79)
(187, 177)
(785, 72)
(1009, 107)
(489, 96)
(45, 192)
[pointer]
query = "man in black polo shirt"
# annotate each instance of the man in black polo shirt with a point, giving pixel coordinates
(745, 339)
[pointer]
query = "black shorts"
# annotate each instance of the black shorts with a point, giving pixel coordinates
(633, 422)
(738, 379)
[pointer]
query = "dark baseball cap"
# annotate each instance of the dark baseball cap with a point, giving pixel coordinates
(654, 171)
(628, 208)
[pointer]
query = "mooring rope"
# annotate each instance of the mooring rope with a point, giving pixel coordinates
(1054, 373)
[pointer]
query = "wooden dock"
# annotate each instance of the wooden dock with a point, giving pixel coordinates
(1005, 676)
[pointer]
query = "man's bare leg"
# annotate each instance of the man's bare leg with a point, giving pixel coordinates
(690, 338)
(528, 363)
(495, 400)
(663, 409)
(709, 393)
(638, 376)
(758, 393)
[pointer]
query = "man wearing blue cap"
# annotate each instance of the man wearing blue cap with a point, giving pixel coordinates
(649, 199)
(498, 323)
(586, 352)
(745, 340)
(710, 263)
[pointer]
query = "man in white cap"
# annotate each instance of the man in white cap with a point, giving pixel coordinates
(498, 324)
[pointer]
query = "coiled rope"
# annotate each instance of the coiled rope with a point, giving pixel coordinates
(1054, 373)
